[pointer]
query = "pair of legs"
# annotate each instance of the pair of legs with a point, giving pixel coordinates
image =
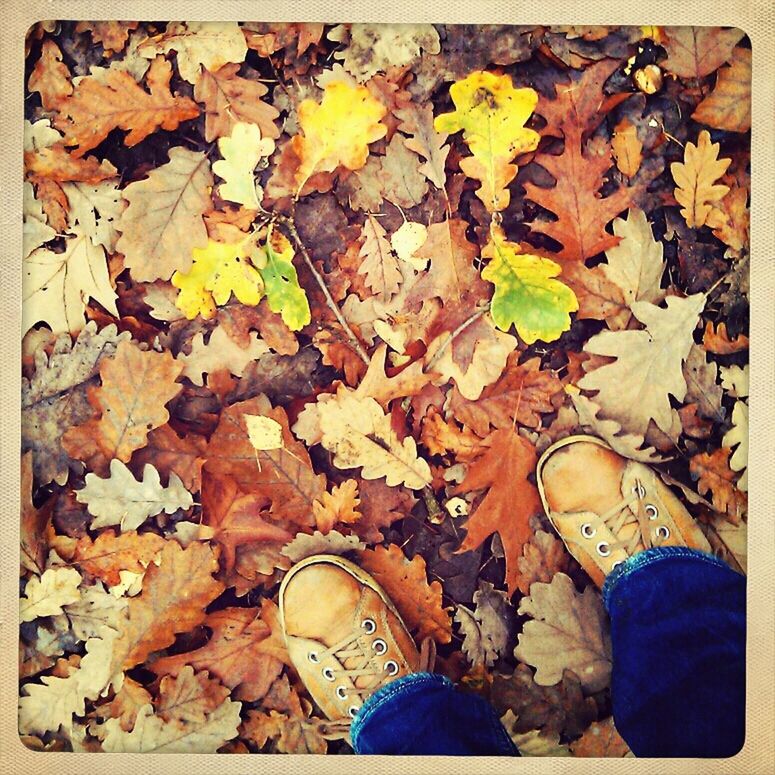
(677, 628)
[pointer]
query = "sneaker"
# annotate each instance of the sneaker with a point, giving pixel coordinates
(607, 508)
(344, 635)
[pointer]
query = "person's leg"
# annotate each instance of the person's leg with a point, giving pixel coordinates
(678, 638)
(423, 714)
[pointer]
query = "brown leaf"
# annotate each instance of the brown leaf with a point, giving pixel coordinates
(50, 78)
(338, 351)
(229, 99)
(233, 654)
(378, 262)
(34, 522)
(510, 501)
(442, 437)
(294, 734)
(338, 506)
(714, 475)
(100, 105)
(694, 52)
(717, 341)
(55, 163)
(380, 507)
(173, 454)
(136, 385)
(111, 34)
(417, 121)
(729, 104)
(383, 389)
(127, 702)
(601, 740)
(418, 602)
(542, 556)
(402, 183)
(109, 554)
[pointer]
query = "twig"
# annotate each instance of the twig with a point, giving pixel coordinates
(301, 247)
(432, 505)
(459, 330)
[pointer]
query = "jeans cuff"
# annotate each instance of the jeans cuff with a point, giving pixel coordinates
(387, 693)
(649, 557)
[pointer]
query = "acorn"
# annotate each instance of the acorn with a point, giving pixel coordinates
(648, 79)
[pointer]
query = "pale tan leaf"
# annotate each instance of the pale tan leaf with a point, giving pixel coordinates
(46, 596)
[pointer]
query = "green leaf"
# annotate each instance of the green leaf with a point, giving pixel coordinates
(282, 288)
(526, 293)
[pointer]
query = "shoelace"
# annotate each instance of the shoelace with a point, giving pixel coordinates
(621, 514)
(352, 646)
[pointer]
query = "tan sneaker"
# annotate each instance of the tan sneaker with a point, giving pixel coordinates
(344, 635)
(606, 507)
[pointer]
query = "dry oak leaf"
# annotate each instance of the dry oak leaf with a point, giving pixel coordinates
(337, 132)
(231, 518)
(402, 182)
(737, 435)
(333, 542)
(627, 148)
(560, 709)
(488, 629)
(424, 140)
(533, 742)
(601, 740)
(735, 380)
(694, 52)
(45, 596)
(510, 500)
(523, 392)
(229, 99)
(163, 223)
(208, 45)
(111, 34)
(701, 384)
(97, 209)
(173, 600)
(56, 287)
(543, 556)
(735, 216)
(728, 106)
(374, 48)
(122, 500)
(361, 435)
(714, 475)
(380, 507)
(109, 554)
(54, 398)
(50, 77)
(383, 389)
(635, 388)
(718, 342)
(283, 475)
(635, 265)
(338, 506)
(36, 229)
(290, 734)
(183, 456)
(97, 106)
(127, 702)
(193, 716)
(569, 631)
(95, 609)
(378, 262)
(54, 163)
(220, 352)
(728, 541)
(34, 521)
(696, 188)
(442, 437)
(404, 580)
(492, 115)
(232, 654)
(136, 385)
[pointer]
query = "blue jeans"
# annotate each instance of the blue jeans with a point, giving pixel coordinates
(678, 684)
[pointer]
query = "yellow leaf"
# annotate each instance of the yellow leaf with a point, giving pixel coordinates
(492, 115)
(695, 182)
(337, 132)
(218, 271)
(241, 153)
(264, 432)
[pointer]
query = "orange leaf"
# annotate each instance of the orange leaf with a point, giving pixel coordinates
(714, 475)
(383, 389)
(111, 34)
(236, 518)
(601, 740)
(55, 163)
(174, 597)
(441, 437)
(627, 148)
(405, 582)
(105, 557)
(340, 505)
(510, 501)
(380, 507)
(136, 385)
(718, 341)
(50, 78)
(34, 545)
(100, 105)
(231, 654)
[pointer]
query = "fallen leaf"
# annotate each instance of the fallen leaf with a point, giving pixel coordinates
(694, 52)
(34, 521)
(338, 506)
(510, 500)
(402, 182)
(111, 34)
(728, 106)
(97, 209)
(601, 740)
(569, 631)
(717, 340)
(383, 389)
(735, 380)
(45, 596)
(543, 556)
(701, 385)
(737, 436)
(714, 476)
(173, 454)
(533, 742)
(333, 542)
(424, 140)
(283, 292)
(489, 628)
(50, 77)
(627, 148)
(378, 263)
(109, 554)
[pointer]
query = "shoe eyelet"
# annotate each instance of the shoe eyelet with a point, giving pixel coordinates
(587, 530)
(663, 532)
(652, 510)
(379, 646)
(617, 563)
(312, 656)
(341, 692)
(603, 549)
(639, 490)
(352, 711)
(369, 625)
(391, 667)
(328, 674)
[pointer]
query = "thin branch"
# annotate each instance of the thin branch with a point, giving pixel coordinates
(301, 247)
(459, 330)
